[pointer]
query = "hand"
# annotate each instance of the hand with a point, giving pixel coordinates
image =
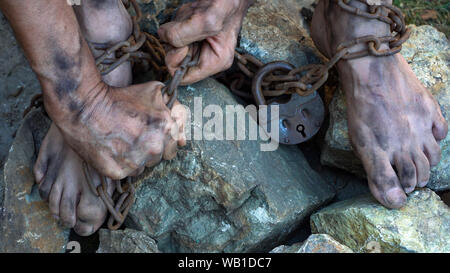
(215, 22)
(121, 130)
(118, 131)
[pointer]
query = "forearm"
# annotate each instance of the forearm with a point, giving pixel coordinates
(50, 37)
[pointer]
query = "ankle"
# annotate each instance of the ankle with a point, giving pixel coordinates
(332, 26)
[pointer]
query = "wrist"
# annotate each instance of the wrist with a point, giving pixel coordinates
(72, 87)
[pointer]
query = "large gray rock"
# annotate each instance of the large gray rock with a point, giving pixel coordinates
(316, 243)
(221, 195)
(274, 30)
(428, 53)
(126, 241)
(17, 85)
(2, 190)
(26, 224)
(422, 225)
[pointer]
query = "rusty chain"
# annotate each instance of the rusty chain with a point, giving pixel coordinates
(140, 48)
(307, 79)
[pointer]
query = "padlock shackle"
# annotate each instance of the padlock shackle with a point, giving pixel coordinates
(261, 74)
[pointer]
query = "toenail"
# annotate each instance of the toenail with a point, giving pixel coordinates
(409, 189)
(422, 184)
(395, 198)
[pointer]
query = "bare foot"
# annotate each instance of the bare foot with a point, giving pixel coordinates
(60, 176)
(395, 124)
(59, 170)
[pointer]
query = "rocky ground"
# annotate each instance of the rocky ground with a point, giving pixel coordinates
(228, 196)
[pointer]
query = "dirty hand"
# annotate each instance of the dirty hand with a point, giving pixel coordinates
(119, 131)
(216, 23)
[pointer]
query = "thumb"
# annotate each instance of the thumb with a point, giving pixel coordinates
(175, 57)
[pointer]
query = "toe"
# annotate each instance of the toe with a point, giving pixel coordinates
(91, 214)
(45, 187)
(46, 184)
(432, 151)
(422, 168)
(40, 167)
(55, 199)
(84, 229)
(383, 182)
(67, 209)
(440, 128)
(50, 146)
(406, 171)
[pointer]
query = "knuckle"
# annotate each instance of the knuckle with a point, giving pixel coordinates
(212, 24)
(173, 37)
(117, 174)
(157, 149)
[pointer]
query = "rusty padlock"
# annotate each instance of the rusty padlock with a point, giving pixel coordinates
(300, 118)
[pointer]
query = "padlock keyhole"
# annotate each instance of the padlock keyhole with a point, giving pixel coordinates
(301, 129)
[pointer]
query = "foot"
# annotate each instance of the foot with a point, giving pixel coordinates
(395, 124)
(58, 169)
(60, 176)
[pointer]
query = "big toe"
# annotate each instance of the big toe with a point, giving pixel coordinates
(384, 183)
(89, 218)
(91, 213)
(85, 228)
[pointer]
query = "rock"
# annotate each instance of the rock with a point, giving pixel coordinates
(274, 30)
(428, 52)
(422, 225)
(225, 196)
(2, 191)
(126, 241)
(18, 84)
(27, 224)
(316, 243)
